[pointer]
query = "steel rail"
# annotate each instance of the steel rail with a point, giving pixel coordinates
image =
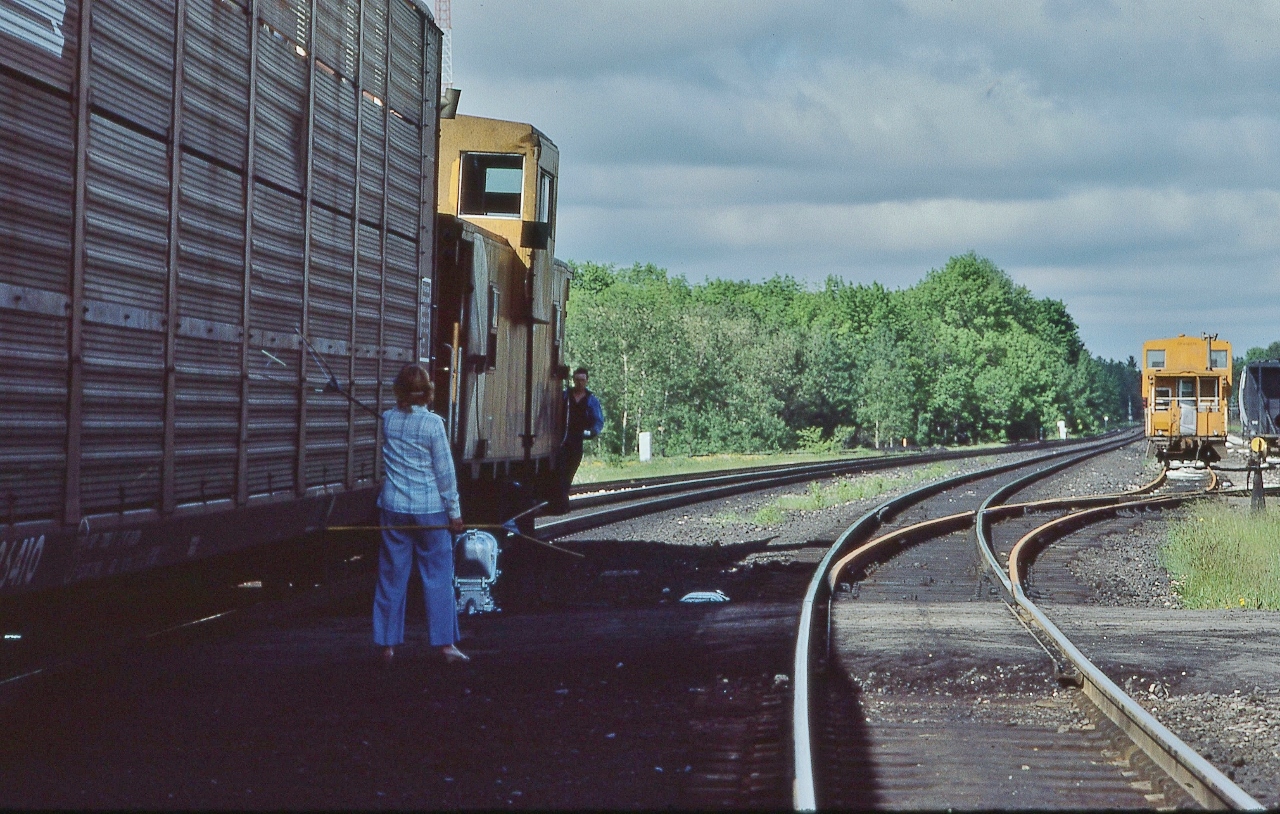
(1199, 778)
(709, 480)
(670, 496)
(673, 495)
(606, 493)
(995, 500)
(804, 788)
(603, 492)
(954, 522)
(609, 493)
(758, 469)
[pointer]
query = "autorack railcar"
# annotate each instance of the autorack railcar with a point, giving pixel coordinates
(220, 225)
(1185, 383)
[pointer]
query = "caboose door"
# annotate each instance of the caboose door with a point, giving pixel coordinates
(1187, 406)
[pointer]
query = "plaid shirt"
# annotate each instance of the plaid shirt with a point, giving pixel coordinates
(418, 464)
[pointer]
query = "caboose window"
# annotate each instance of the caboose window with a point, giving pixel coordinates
(491, 184)
(547, 200)
(1155, 358)
(1217, 358)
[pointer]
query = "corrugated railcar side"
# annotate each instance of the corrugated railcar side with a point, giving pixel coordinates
(1259, 400)
(190, 187)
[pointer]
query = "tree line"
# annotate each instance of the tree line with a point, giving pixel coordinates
(1256, 354)
(963, 356)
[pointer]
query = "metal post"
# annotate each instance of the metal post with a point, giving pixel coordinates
(300, 469)
(75, 339)
(250, 167)
(358, 81)
(167, 465)
(1257, 495)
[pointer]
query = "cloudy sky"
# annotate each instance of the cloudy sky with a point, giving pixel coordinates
(1122, 157)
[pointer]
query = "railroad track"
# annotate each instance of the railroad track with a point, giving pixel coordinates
(91, 622)
(556, 683)
(537, 709)
(940, 738)
(637, 497)
(586, 495)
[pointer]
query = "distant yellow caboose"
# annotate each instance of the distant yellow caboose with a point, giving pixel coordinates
(1185, 382)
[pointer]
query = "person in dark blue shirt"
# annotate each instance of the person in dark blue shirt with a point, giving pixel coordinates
(584, 420)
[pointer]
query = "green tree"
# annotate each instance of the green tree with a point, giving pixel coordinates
(885, 410)
(965, 355)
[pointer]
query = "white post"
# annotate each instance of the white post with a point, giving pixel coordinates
(645, 446)
(1062, 429)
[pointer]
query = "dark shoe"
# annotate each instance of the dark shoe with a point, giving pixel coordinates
(387, 658)
(453, 655)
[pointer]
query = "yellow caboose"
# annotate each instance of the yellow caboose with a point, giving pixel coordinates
(1185, 383)
(499, 321)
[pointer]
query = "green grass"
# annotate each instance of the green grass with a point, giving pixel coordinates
(1222, 556)
(601, 470)
(824, 494)
(604, 469)
(726, 519)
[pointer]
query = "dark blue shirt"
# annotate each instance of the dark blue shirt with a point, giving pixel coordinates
(582, 417)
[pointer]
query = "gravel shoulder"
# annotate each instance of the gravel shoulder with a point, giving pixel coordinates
(729, 521)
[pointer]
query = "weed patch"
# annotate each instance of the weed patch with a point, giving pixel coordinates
(1221, 556)
(602, 469)
(825, 494)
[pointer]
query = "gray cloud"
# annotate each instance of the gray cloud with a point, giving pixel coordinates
(1122, 157)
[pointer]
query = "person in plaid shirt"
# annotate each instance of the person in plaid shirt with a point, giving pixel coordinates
(420, 514)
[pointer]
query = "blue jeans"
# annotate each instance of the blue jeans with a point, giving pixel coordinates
(433, 551)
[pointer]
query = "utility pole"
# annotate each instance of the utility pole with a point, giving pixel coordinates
(448, 93)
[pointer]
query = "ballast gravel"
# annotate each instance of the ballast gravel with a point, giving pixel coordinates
(1236, 729)
(1125, 571)
(1239, 732)
(732, 521)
